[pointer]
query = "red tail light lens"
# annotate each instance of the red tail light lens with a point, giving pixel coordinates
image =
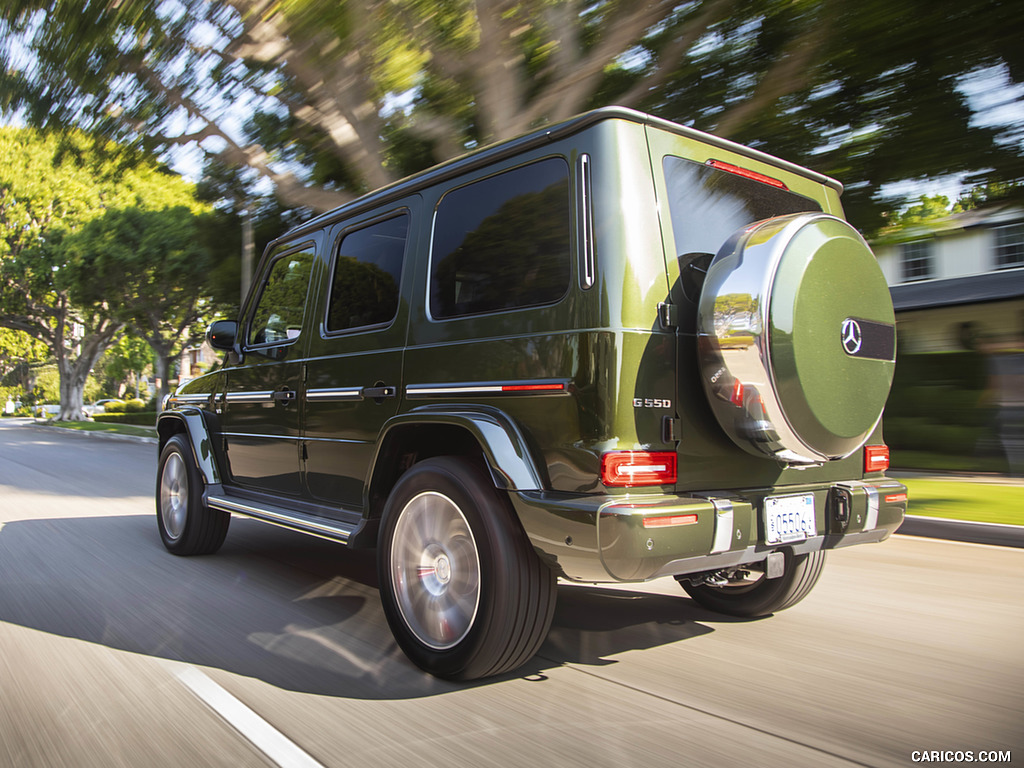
(876, 458)
(746, 173)
(627, 469)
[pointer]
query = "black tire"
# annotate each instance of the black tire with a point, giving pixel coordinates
(187, 526)
(463, 590)
(766, 595)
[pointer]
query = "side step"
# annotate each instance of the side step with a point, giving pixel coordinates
(333, 530)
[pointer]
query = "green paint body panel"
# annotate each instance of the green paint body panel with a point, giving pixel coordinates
(541, 392)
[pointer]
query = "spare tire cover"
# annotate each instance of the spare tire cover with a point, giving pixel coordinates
(797, 338)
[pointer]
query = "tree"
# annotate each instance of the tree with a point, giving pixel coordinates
(125, 362)
(18, 351)
(346, 97)
(150, 268)
(52, 188)
(47, 190)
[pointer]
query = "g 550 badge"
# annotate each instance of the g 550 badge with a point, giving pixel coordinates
(651, 402)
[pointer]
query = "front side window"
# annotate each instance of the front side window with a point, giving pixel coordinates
(916, 260)
(503, 242)
(1010, 246)
(277, 316)
(367, 274)
(708, 205)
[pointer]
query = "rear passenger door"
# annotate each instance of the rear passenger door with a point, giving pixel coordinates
(354, 377)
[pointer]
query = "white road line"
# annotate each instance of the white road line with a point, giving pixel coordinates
(262, 734)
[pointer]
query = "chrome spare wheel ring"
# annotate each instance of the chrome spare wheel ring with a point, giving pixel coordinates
(435, 570)
(174, 496)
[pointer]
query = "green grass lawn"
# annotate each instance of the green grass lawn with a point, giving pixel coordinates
(962, 500)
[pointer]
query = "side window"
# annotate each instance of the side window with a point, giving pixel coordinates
(502, 242)
(367, 273)
(279, 309)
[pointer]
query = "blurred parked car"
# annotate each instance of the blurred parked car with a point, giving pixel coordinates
(100, 406)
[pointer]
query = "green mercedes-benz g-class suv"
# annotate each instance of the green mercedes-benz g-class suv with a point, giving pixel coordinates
(612, 350)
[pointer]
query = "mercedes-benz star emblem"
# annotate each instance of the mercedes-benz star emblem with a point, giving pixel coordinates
(852, 338)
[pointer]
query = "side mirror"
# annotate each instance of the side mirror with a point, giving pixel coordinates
(221, 334)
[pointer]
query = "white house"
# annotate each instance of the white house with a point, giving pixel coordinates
(959, 282)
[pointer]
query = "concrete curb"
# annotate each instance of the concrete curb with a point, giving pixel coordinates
(963, 530)
(101, 435)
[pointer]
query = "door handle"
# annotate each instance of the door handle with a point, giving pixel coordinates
(378, 393)
(284, 396)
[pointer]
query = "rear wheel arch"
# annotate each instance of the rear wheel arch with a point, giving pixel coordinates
(486, 437)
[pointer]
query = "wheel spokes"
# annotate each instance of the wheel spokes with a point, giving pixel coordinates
(174, 496)
(435, 569)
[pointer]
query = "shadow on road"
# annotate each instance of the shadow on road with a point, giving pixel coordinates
(295, 612)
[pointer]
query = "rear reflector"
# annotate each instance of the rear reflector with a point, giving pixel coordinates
(626, 469)
(876, 458)
(737, 393)
(747, 174)
(669, 521)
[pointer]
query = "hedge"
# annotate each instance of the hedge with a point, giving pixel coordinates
(125, 406)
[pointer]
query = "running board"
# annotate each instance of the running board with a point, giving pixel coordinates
(333, 530)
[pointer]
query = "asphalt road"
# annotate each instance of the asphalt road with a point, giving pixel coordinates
(275, 651)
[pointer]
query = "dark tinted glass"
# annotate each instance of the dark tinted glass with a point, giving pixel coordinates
(708, 205)
(278, 313)
(367, 273)
(502, 242)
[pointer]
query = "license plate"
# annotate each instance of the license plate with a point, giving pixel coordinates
(789, 518)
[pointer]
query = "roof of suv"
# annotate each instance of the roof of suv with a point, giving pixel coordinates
(511, 147)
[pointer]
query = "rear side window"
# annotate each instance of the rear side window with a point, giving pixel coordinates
(708, 205)
(277, 316)
(502, 242)
(367, 274)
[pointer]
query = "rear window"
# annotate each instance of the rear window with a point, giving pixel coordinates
(708, 205)
(502, 242)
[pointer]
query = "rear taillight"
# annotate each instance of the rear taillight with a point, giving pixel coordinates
(624, 469)
(876, 458)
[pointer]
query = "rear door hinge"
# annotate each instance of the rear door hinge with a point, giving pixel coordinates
(668, 315)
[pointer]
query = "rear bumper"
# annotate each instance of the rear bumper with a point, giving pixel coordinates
(637, 537)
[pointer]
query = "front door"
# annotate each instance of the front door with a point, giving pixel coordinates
(354, 377)
(260, 421)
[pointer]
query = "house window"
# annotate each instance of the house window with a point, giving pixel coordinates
(1010, 246)
(916, 260)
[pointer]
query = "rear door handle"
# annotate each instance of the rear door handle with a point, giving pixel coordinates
(378, 393)
(284, 396)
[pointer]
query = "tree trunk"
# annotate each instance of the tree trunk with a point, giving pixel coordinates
(72, 389)
(162, 369)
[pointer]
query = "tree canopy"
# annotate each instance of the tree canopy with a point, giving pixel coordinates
(73, 272)
(328, 100)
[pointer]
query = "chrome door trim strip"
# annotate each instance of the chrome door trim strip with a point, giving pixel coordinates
(335, 394)
(250, 397)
